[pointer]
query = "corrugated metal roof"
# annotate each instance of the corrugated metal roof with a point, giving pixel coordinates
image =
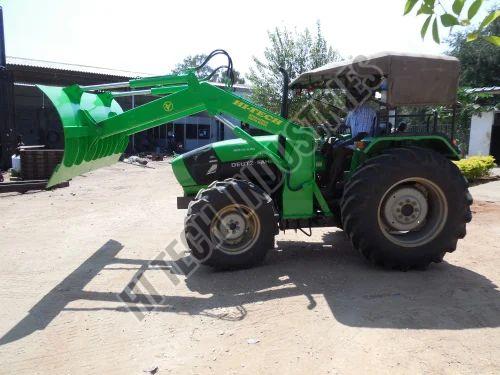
(20, 61)
(485, 90)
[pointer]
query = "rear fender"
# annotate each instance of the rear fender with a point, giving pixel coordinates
(376, 146)
(438, 143)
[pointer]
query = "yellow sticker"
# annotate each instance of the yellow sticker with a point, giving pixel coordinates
(168, 106)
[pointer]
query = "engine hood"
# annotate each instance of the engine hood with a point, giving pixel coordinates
(219, 160)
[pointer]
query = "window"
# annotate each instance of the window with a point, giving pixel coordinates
(191, 130)
(203, 131)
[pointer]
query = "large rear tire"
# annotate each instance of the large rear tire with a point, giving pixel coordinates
(406, 208)
(231, 225)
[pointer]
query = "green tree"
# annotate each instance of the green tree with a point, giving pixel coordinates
(297, 52)
(456, 13)
(479, 61)
(196, 60)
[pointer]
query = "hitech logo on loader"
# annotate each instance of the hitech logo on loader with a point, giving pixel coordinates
(168, 106)
(257, 115)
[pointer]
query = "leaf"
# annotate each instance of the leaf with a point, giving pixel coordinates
(472, 36)
(493, 39)
(457, 6)
(425, 26)
(435, 31)
(474, 8)
(425, 10)
(409, 6)
(427, 7)
(449, 20)
(489, 19)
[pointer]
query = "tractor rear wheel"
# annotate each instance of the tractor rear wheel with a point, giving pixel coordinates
(231, 225)
(406, 208)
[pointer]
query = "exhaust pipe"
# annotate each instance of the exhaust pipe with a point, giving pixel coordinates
(284, 93)
(284, 109)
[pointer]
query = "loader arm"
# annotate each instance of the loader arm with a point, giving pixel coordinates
(97, 130)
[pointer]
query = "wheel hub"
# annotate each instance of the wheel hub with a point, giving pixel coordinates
(405, 209)
(232, 226)
(235, 228)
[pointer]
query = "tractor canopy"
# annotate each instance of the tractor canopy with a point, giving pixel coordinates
(409, 79)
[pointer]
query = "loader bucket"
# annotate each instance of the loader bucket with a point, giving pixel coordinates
(86, 148)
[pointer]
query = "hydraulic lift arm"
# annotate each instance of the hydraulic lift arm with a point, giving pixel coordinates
(97, 130)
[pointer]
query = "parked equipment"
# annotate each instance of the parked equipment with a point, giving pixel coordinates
(401, 200)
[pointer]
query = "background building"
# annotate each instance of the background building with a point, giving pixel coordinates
(485, 128)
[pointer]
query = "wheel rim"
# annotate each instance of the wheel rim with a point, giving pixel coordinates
(412, 212)
(235, 228)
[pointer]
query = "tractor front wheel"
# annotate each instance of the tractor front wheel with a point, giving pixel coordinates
(406, 208)
(231, 225)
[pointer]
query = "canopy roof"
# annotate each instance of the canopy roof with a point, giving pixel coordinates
(410, 79)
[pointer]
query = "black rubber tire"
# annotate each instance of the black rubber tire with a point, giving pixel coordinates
(202, 212)
(366, 188)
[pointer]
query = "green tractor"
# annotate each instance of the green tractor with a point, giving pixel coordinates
(399, 198)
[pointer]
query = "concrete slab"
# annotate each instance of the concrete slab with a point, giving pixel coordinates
(495, 172)
(486, 192)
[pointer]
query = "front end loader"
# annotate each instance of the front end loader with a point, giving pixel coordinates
(400, 199)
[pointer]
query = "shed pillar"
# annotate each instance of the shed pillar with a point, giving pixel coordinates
(7, 128)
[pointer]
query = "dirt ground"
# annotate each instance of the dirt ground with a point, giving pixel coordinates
(92, 281)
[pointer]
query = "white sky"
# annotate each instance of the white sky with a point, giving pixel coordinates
(152, 35)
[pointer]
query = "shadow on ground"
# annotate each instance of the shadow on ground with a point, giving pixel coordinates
(443, 297)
